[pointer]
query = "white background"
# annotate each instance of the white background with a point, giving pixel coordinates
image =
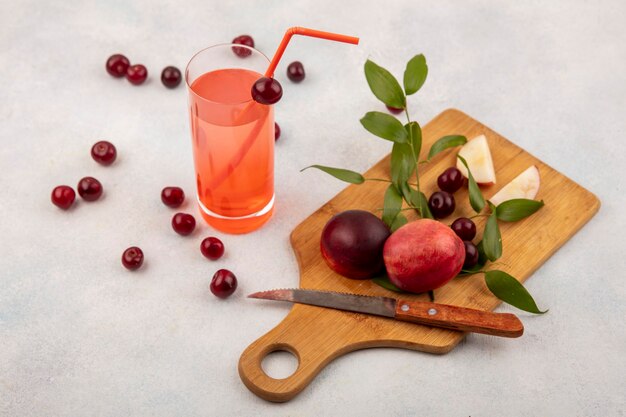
(79, 335)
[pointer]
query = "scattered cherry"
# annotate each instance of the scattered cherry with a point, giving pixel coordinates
(394, 110)
(295, 71)
(136, 74)
(243, 40)
(171, 77)
(464, 228)
(441, 204)
(276, 131)
(172, 196)
(63, 196)
(117, 65)
(471, 254)
(212, 248)
(183, 223)
(89, 189)
(103, 152)
(223, 284)
(132, 258)
(450, 180)
(267, 90)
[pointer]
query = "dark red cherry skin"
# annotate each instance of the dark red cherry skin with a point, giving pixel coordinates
(243, 40)
(132, 258)
(63, 196)
(464, 228)
(394, 110)
(267, 91)
(89, 189)
(171, 77)
(471, 254)
(136, 74)
(223, 284)
(104, 152)
(183, 223)
(295, 71)
(212, 248)
(276, 131)
(450, 180)
(117, 65)
(441, 204)
(172, 196)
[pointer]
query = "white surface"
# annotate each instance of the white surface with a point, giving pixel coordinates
(80, 336)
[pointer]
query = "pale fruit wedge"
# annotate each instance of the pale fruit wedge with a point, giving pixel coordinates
(476, 153)
(525, 185)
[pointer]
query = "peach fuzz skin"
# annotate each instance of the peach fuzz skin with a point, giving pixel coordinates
(423, 255)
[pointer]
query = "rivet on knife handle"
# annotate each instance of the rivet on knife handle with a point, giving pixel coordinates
(459, 318)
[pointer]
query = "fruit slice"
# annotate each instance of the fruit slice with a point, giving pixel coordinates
(525, 185)
(476, 153)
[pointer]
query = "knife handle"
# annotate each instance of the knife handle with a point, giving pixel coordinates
(459, 318)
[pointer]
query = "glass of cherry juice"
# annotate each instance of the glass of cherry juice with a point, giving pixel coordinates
(232, 138)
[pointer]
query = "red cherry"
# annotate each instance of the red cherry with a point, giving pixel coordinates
(223, 284)
(117, 65)
(295, 71)
(450, 180)
(183, 223)
(171, 77)
(441, 204)
(471, 254)
(267, 91)
(212, 248)
(172, 196)
(63, 196)
(136, 74)
(394, 110)
(243, 40)
(132, 258)
(89, 189)
(103, 152)
(464, 228)
(276, 131)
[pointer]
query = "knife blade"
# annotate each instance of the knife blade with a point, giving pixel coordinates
(420, 312)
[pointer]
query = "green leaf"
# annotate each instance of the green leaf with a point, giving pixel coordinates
(420, 202)
(385, 126)
(405, 190)
(384, 282)
(398, 222)
(415, 74)
(384, 85)
(340, 173)
(492, 240)
(402, 164)
(392, 205)
(477, 201)
(517, 209)
(511, 291)
(446, 142)
(415, 138)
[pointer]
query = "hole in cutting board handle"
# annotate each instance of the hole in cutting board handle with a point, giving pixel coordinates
(280, 363)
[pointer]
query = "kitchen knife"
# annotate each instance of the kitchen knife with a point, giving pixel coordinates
(430, 314)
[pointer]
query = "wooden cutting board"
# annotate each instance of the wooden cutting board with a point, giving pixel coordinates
(317, 335)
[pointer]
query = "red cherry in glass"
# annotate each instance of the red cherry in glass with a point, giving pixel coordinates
(183, 223)
(464, 228)
(171, 77)
(295, 71)
(441, 204)
(212, 248)
(89, 189)
(450, 180)
(172, 196)
(63, 196)
(223, 284)
(103, 152)
(276, 131)
(267, 91)
(394, 110)
(243, 40)
(136, 74)
(132, 258)
(117, 65)
(471, 254)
